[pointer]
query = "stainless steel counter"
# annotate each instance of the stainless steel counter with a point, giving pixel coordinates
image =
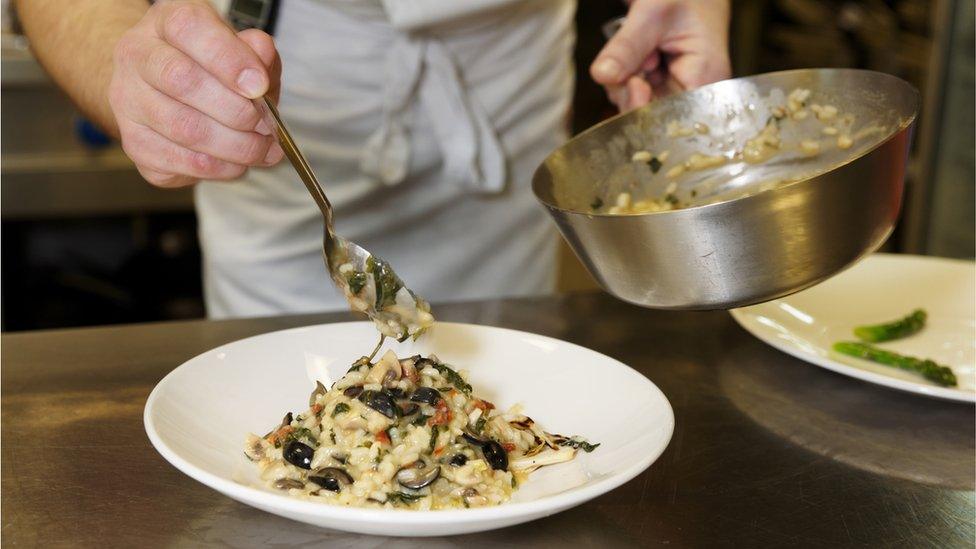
(767, 451)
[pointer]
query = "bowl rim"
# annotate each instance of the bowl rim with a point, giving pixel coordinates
(905, 124)
(281, 502)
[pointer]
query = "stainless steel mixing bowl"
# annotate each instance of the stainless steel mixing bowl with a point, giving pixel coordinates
(751, 232)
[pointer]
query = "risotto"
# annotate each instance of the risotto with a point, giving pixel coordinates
(405, 433)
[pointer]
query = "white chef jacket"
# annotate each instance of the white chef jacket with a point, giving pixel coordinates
(424, 120)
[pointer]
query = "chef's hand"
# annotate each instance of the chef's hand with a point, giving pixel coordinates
(664, 45)
(181, 93)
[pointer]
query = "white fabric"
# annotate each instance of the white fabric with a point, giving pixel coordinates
(425, 124)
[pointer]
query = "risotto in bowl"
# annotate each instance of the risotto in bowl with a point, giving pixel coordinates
(453, 433)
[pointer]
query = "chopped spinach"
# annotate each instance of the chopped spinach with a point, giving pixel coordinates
(332, 436)
(305, 433)
(421, 420)
(578, 444)
(597, 203)
(403, 497)
(387, 283)
(340, 408)
(356, 281)
(453, 377)
(655, 164)
(434, 431)
(670, 198)
(480, 424)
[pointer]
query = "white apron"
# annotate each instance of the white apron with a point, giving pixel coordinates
(424, 120)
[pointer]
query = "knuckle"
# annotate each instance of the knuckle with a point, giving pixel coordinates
(626, 47)
(203, 164)
(189, 127)
(180, 20)
(177, 75)
(253, 148)
(242, 115)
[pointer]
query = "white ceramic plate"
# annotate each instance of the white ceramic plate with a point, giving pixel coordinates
(880, 288)
(198, 416)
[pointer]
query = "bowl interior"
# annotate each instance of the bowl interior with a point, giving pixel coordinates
(597, 163)
(199, 415)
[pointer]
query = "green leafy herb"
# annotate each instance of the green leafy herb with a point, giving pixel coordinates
(356, 281)
(340, 408)
(403, 497)
(332, 436)
(453, 377)
(694, 193)
(670, 198)
(480, 424)
(387, 283)
(596, 204)
(304, 433)
(577, 443)
(434, 431)
(655, 164)
(421, 420)
(514, 482)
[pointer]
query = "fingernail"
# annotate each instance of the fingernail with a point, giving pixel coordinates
(275, 154)
(607, 68)
(251, 83)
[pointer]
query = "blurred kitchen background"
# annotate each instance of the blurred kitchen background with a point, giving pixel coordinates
(85, 241)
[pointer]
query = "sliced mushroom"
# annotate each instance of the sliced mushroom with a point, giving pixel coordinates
(549, 457)
(418, 475)
(288, 484)
(472, 498)
(409, 367)
(473, 439)
(458, 460)
(255, 448)
(354, 391)
(319, 390)
(331, 478)
(408, 409)
(386, 371)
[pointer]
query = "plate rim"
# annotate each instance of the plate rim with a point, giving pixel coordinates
(528, 509)
(740, 315)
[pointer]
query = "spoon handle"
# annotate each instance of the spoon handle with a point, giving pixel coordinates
(297, 159)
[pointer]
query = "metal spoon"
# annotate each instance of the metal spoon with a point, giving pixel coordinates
(369, 283)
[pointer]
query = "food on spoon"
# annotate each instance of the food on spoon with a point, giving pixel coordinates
(929, 369)
(399, 313)
(406, 433)
(896, 329)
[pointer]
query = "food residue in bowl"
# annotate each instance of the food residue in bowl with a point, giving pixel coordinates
(766, 144)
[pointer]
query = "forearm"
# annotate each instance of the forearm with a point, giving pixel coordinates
(74, 40)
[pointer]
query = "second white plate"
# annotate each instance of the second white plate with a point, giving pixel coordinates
(880, 288)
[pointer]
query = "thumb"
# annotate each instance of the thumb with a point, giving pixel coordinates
(264, 46)
(627, 50)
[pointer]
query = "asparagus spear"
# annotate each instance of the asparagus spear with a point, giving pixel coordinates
(903, 327)
(928, 368)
